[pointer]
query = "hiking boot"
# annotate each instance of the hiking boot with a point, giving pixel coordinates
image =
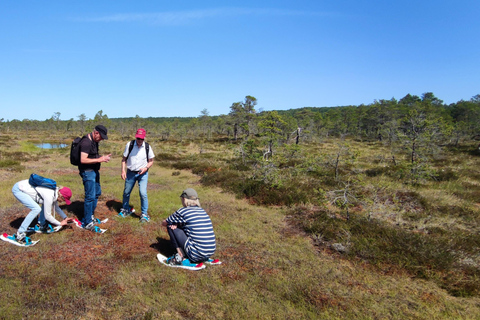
(22, 238)
(126, 212)
(144, 218)
(92, 227)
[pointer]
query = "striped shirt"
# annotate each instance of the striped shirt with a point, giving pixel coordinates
(196, 224)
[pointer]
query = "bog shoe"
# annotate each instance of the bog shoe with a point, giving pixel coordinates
(46, 228)
(186, 264)
(144, 218)
(92, 227)
(126, 212)
(22, 238)
(175, 260)
(213, 261)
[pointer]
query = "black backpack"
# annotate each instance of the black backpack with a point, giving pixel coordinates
(75, 151)
(130, 148)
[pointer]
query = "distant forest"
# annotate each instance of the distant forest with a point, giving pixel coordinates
(412, 117)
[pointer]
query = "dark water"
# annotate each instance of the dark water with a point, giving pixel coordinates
(51, 145)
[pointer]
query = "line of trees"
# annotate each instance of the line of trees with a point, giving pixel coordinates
(411, 121)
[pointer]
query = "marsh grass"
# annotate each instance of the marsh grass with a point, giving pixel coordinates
(403, 260)
(389, 218)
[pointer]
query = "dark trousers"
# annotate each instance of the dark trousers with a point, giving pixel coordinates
(177, 238)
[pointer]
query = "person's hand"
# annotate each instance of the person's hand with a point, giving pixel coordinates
(106, 158)
(173, 226)
(143, 170)
(65, 222)
(124, 175)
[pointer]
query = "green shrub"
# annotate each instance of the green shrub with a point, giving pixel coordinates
(422, 255)
(222, 178)
(27, 146)
(377, 171)
(166, 157)
(446, 174)
(8, 163)
(12, 165)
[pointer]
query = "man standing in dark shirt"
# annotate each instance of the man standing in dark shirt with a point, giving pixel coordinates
(88, 169)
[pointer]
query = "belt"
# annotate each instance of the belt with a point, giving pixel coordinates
(136, 172)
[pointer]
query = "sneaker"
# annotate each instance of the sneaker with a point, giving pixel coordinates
(191, 266)
(144, 218)
(96, 220)
(213, 261)
(126, 212)
(22, 238)
(175, 260)
(179, 262)
(92, 227)
(44, 228)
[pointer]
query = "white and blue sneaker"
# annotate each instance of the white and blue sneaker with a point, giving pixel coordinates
(145, 218)
(126, 212)
(44, 228)
(213, 261)
(92, 227)
(21, 238)
(177, 261)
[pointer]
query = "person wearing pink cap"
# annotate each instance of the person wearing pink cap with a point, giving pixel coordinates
(41, 201)
(137, 159)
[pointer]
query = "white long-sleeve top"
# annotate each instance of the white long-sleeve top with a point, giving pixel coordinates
(46, 197)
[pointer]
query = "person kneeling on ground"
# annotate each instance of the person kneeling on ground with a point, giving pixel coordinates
(191, 232)
(32, 198)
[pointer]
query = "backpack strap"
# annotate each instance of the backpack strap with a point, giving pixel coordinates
(130, 148)
(132, 144)
(38, 194)
(147, 148)
(55, 194)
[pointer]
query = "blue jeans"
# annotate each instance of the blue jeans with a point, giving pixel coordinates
(93, 190)
(28, 202)
(142, 179)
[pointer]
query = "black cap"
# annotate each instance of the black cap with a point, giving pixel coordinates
(102, 130)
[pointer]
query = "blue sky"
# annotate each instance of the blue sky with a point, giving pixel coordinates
(175, 58)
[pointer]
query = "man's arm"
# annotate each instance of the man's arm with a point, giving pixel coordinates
(149, 165)
(124, 168)
(84, 159)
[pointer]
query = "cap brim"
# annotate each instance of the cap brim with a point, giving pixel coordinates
(68, 202)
